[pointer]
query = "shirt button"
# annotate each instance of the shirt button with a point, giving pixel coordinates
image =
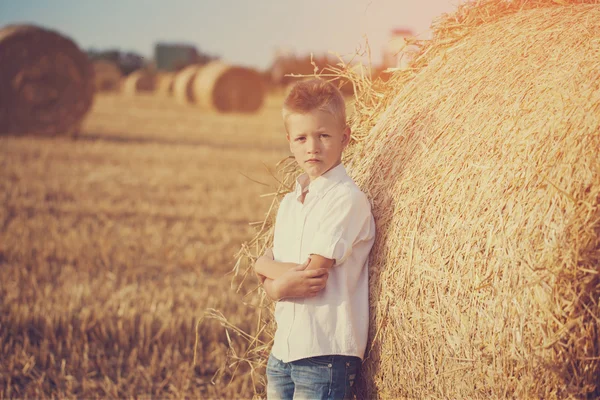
(329, 365)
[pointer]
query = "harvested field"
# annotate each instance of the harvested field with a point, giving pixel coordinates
(113, 245)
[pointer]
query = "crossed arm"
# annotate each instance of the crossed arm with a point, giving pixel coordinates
(284, 280)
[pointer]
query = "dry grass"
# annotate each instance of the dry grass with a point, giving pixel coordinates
(113, 246)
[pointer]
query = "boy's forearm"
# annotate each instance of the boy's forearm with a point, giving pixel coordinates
(271, 290)
(274, 291)
(270, 268)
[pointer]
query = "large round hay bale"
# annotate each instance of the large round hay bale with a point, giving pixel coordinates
(184, 83)
(226, 88)
(164, 83)
(485, 180)
(46, 82)
(140, 81)
(107, 76)
(481, 161)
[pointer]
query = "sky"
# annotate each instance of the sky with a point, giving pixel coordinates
(241, 32)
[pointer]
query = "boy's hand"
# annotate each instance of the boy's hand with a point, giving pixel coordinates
(301, 282)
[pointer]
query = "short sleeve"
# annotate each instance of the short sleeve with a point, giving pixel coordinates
(347, 220)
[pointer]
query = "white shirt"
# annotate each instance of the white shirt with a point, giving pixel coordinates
(335, 221)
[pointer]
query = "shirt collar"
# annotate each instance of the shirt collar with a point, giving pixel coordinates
(322, 183)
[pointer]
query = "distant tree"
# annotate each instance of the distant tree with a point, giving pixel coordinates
(126, 61)
(130, 62)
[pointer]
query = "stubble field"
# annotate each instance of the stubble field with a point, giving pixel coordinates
(113, 245)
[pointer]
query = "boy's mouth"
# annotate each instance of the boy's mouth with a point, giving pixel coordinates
(313, 160)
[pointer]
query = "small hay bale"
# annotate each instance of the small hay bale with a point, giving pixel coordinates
(184, 83)
(164, 83)
(46, 82)
(481, 161)
(289, 86)
(225, 88)
(107, 76)
(140, 81)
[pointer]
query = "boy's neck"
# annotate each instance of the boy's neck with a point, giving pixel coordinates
(332, 167)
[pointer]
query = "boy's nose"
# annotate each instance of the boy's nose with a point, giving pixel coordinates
(313, 146)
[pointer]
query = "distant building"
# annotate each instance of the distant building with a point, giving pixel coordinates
(393, 56)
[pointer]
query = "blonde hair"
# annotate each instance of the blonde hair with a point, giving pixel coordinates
(315, 94)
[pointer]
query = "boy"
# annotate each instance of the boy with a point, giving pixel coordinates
(317, 269)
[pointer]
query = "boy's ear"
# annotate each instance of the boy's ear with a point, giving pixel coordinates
(346, 135)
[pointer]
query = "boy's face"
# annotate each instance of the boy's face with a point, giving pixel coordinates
(316, 141)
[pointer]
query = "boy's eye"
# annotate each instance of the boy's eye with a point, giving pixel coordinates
(300, 139)
(324, 135)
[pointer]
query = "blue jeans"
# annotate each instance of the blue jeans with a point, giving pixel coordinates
(322, 377)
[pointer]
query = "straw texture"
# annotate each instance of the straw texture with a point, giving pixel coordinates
(481, 163)
(46, 82)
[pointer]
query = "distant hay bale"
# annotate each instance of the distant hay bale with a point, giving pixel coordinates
(481, 161)
(184, 83)
(226, 88)
(289, 86)
(46, 82)
(164, 83)
(140, 81)
(107, 76)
